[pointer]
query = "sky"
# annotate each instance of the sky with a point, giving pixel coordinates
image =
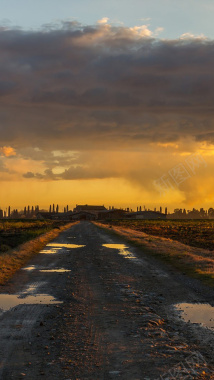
(107, 103)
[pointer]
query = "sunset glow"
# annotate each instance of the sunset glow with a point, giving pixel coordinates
(104, 113)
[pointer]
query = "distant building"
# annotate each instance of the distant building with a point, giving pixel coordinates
(112, 214)
(146, 215)
(83, 215)
(89, 208)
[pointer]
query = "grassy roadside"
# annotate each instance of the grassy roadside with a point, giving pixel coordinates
(195, 262)
(14, 259)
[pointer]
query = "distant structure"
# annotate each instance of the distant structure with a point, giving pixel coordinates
(146, 215)
(100, 212)
(87, 212)
(89, 208)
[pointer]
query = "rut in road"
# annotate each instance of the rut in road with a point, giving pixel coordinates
(116, 319)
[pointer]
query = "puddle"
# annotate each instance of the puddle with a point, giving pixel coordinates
(57, 270)
(61, 270)
(123, 250)
(8, 301)
(202, 314)
(30, 268)
(58, 245)
(47, 251)
(52, 248)
(29, 296)
(32, 289)
(115, 246)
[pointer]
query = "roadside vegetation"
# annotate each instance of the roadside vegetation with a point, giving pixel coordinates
(186, 245)
(20, 240)
(16, 232)
(196, 233)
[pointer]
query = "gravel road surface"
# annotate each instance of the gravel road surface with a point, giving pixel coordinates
(92, 306)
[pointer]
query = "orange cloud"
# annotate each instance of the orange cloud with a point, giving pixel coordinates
(7, 151)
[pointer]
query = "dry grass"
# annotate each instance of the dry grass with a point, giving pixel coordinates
(196, 262)
(14, 259)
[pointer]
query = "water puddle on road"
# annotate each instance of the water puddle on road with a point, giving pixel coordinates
(65, 245)
(60, 270)
(123, 250)
(57, 270)
(53, 248)
(32, 288)
(202, 314)
(9, 301)
(50, 251)
(30, 268)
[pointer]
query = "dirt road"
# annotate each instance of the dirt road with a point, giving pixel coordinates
(90, 306)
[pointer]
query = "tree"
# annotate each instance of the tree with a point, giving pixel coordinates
(211, 213)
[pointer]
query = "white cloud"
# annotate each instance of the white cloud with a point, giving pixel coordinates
(103, 21)
(158, 31)
(190, 36)
(141, 31)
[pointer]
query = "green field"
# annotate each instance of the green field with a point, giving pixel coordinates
(196, 233)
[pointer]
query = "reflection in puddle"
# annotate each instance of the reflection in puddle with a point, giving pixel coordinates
(64, 245)
(47, 251)
(123, 250)
(61, 270)
(32, 267)
(8, 301)
(115, 246)
(197, 313)
(57, 270)
(32, 289)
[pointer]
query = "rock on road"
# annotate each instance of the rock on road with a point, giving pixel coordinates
(92, 306)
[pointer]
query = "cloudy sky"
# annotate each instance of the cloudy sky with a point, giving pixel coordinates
(107, 102)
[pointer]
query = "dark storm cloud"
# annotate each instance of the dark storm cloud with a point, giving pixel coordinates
(75, 173)
(79, 87)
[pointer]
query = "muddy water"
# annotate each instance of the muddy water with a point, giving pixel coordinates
(53, 248)
(50, 251)
(31, 294)
(124, 251)
(58, 245)
(60, 270)
(202, 314)
(54, 270)
(9, 301)
(30, 268)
